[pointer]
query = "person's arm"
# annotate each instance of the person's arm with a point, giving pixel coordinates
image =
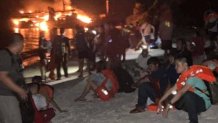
(180, 93)
(167, 94)
(175, 99)
(11, 85)
(68, 46)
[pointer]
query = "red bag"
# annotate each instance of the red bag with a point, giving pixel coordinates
(102, 91)
(43, 116)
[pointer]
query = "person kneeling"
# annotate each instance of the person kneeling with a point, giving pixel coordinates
(190, 92)
(104, 83)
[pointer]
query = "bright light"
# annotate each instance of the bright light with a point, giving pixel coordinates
(46, 17)
(30, 11)
(21, 12)
(84, 18)
(58, 15)
(94, 32)
(86, 29)
(16, 22)
(24, 19)
(16, 30)
(43, 26)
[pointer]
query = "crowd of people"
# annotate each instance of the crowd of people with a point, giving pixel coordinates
(178, 80)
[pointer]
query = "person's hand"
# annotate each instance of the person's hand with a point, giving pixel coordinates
(160, 107)
(23, 94)
(166, 110)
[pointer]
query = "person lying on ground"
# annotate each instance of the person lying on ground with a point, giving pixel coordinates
(191, 93)
(104, 83)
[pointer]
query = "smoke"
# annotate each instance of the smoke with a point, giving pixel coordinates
(42, 5)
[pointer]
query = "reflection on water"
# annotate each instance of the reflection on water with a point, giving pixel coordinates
(31, 37)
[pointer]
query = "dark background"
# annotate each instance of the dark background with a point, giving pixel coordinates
(186, 12)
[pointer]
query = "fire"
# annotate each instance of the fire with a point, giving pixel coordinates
(21, 12)
(43, 26)
(84, 18)
(46, 17)
(58, 15)
(16, 30)
(16, 22)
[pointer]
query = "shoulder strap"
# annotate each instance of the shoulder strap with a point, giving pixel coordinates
(202, 91)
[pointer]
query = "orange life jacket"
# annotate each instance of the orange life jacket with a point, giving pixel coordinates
(198, 71)
(102, 91)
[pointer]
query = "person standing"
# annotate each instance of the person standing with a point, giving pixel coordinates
(65, 50)
(147, 31)
(11, 80)
(43, 48)
(166, 28)
(60, 51)
(82, 48)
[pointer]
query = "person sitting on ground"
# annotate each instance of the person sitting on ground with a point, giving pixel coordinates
(47, 91)
(190, 92)
(182, 51)
(138, 68)
(153, 87)
(124, 78)
(172, 75)
(43, 113)
(104, 83)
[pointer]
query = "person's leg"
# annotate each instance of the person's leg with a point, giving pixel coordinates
(64, 64)
(86, 90)
(58, 69)
(9, 110)
(81, 65)
(145, 91)
(192, 104)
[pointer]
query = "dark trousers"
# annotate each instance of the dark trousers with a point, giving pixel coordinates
(192, 104)
(62, 62)
(145, 91)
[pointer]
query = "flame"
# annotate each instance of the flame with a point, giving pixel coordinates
(21, 12)
(58, 15)
(16, 30)
(84, 18)
(46, 17)
(43, 26)
(16, 22)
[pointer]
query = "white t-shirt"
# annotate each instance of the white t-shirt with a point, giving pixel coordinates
(142, 61)
(40, 101)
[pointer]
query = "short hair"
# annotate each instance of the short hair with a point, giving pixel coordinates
(37, 79)
(182, 59)
(153, 60)
(8, 38)
(15, 38)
